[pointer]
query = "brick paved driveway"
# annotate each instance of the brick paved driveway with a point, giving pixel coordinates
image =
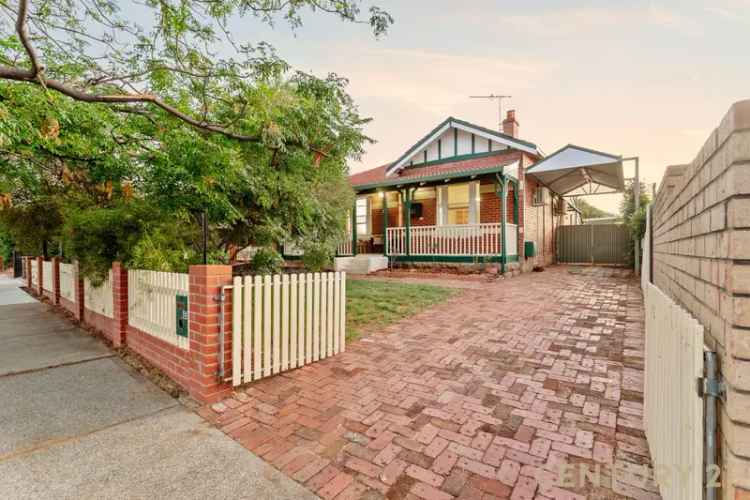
(485, 396)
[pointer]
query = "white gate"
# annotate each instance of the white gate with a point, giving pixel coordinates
(673, 408)
(282, 322)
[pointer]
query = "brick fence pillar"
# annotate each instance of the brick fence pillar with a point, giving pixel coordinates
(80, 293)
(56, 280)
(205, 288)
(27, 270)
(40, 275)
(119, 303)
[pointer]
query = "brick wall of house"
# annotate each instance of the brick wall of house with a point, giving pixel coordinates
(539, 226)
(701, 235)
(429, 213)
(378, 222)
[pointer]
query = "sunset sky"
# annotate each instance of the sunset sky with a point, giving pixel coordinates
(630, 77)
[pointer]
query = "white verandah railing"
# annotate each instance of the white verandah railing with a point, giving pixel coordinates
(460, 240)
(345, 248)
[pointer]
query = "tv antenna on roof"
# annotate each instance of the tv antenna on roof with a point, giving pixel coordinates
(499, 106)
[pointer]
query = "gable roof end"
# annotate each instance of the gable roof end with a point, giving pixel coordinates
(452, 122)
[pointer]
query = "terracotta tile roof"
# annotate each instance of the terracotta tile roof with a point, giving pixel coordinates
(377, 175)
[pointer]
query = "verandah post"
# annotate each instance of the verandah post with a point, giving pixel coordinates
(408, 221)
(354, 228)
(385, 223)
(516, 187)
(503, 216)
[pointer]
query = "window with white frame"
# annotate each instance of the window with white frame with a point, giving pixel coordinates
(363, 216)
(458, 204)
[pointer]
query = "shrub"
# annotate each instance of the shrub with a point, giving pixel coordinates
(266, 261)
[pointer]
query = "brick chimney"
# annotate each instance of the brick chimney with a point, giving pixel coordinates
(510, 125)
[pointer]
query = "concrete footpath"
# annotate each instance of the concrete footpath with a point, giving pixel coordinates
(76, 422)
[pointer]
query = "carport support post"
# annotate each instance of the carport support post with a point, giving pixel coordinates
(206, 283)
(637, 187)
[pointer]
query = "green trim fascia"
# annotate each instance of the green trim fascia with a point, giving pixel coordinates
(438, 259)
(430, 178)
(463, 157)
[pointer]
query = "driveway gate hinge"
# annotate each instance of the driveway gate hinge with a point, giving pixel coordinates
(707, 387)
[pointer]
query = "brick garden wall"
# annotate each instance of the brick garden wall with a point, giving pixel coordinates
(195, 369)
(701, 256)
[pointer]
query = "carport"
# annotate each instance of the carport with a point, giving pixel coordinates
(574, 171)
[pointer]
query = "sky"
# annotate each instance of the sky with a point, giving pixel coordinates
(636, 78)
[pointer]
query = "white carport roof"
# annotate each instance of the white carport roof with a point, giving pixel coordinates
(570, 168)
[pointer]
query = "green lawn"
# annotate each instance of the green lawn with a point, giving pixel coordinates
(375, 304)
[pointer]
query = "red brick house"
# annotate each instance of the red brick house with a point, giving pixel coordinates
(459, 195)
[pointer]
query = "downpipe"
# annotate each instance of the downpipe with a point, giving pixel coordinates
(712, 388)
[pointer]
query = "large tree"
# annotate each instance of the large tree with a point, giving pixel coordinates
(125, 135)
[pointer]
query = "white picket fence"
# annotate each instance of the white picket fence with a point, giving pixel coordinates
(67, 282)
(152, 306)
(99, 299)
(673, 409)
(47, 276)
(282, 322)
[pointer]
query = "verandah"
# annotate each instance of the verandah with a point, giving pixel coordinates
(444, 239)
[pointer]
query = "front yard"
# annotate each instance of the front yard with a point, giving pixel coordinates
(375, 304)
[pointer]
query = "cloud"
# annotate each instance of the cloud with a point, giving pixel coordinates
(732, 10)
(433, 80)
(576, 21)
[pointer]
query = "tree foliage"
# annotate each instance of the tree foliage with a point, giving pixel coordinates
(635, 220)
(589, 211)
(116, 138)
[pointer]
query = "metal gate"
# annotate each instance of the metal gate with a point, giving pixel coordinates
(593, 244)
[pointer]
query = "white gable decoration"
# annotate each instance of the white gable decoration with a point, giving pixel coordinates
(454, 138)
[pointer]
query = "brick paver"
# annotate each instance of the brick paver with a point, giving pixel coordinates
(490, 395)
